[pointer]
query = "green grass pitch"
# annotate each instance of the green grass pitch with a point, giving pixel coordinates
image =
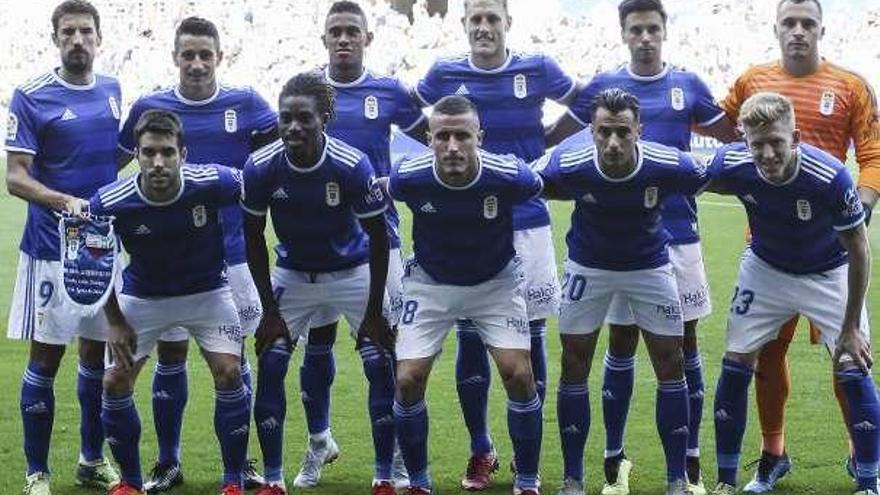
(816, 437)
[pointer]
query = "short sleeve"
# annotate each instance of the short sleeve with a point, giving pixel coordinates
(706, 109)
(847, 211)
(254, 196)
(22, 126)
(430, 89)
(230, 185)
(735, 98)
(865, 125)
(96, 208)
(126, 135)
(368, 200)
(559, 84)
(690, 177)
(396, 184)
(579, 109)
(551, 174)
(264, 118)
(407, 112)
(528, 182)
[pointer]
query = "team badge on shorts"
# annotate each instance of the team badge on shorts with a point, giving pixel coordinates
(88, 247)
(804, 210)
(333, 196)
(520, 86)
(651, 197)
(200, 216)
(230, 121)
(371, 107)
(490, 207)
(676, 95)
(12, 127)
(826, 103)
(114, 107)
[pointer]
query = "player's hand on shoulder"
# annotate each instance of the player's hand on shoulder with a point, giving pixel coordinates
(123, 344)
(271, 329)
(853, 349)
(375, 328)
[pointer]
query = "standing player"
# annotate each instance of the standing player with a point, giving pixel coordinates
(833, 107)
(808, 237)
(60, 145)
(509, 90)
(365, 106)
(223, 125)
(327, 212)
(168, 217)
(619, 185)
(672, 101)
(465, 266)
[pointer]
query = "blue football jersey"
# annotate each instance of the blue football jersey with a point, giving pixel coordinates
(215, 130)
(71, 131)
(510, 100)
(315, 210)
(175, 248)
(793, 224)
(616, 223)
(365, 111)
(464, 235)
(671, 103)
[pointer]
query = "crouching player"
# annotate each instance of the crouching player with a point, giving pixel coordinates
(167, 218)
(809, 255)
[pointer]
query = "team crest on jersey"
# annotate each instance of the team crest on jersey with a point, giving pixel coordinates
(371, 107)
(826, 103)
(230, 121)
(676, 95)
(200, 216)
(651, 195)
(114, 107)
(332, 194)
(804, 210)
(520, 86)
(490, 207)
(12, 127)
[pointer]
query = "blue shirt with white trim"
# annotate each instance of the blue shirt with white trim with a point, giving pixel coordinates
(175, 248)
(216, 130)
(71, 132)
(315, 210)
(365, 110)
(793, 224)
(617, 222)
(510, 101)
(671, 102)
(464, 235)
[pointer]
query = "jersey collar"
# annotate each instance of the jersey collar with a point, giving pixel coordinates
(639, 159)
(491, 71)
(137, 187)
(655, 77)
(196, 103)
(797, 171)
(76, 87)
(313, 167)
(466, 186)
(337, 84)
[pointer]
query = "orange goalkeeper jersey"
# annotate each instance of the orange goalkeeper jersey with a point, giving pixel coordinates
(833, 106)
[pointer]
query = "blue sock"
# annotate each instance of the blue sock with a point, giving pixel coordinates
(693, 373)
(573, 412)
(473, 377)
(315, 378)
(538, 329)
(37, 415)
(379, 370)
(270, 409)
(672, 424)
(731, 409)
(89, 388)
(525, 422)
(232, 422)
(170, 395)
(122, 428)
(617, 390)
(246, 378)
(864, 417)
(411, 423)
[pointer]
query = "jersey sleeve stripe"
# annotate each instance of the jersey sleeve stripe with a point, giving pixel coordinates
(37, 83)
(117, 194)
(853, 225)
(569, 92)
(267, 151)
(415, 124)
(819, 165)
(503, 170)
(18, 149)
(815, 174)
(574, 117)
(252, 211)
(659, 152)
(339, 151)
(712, 121)
(372, 213)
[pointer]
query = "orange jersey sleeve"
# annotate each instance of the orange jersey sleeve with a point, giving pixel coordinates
(865, 126)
